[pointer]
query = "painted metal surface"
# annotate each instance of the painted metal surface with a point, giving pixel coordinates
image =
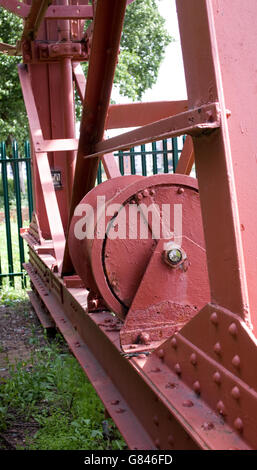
(196, 121)
(197, 389)
(109, 17)
(154, 309)
(151, 405)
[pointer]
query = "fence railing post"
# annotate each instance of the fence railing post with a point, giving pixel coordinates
(29, 178)
(174, 153)
(165, 157)
(121, 162)
(99, 172)
(18, 202)
(132, 161)
(143, 161)
(7, 213)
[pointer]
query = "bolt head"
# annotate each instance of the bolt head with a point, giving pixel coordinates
(236, 361)
(233, 329)
(174, 343)
(235, 392)
(160, 353)
(115, 402)
(144, 338)
(157, 443)
(214, 318)
(207, 426)
(197, 387)
(238, 423)
(175, 256)
(156, 420)
(177, 368)
(217, 378)
(180, 190)
(187, 403)
(193, 359)
(217, 348)
(221, 408)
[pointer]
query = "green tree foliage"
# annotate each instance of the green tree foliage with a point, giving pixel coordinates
(143, 43)
(13, 120)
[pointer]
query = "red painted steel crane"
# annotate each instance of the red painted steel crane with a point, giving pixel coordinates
(164, 325)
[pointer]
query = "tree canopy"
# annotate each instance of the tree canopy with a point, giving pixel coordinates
(143, 43)
(13, 120)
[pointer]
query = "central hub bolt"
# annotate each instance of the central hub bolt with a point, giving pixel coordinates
(175, 256)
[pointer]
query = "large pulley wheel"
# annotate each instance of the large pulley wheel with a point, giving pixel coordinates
(114, 265)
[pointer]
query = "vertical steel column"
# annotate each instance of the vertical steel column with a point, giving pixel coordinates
(109, 17)
(214, 162)
(68, 104)
(69, 121)
(236, 42)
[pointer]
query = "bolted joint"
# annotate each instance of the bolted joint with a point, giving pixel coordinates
(173, 255)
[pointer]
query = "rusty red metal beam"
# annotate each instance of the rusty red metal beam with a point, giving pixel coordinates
(149, 403)
(51, 205)
(110, 166)
(34, 123)
(238, 88)
(109, 163)
(8, 49)
(55, 145)
(41, 145)
(34, 19)
(213, 158)
(80, 79)
(69, 12)
(16, 7)
(132, 114)
(109, 17)
(187, 158)
(140, 114)
(194, 122)
(69, 120)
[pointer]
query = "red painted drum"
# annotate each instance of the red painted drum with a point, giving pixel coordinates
(137, 222)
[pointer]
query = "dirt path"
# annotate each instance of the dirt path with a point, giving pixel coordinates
(18, 324)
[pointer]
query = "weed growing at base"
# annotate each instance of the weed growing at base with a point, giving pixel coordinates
(52, 390)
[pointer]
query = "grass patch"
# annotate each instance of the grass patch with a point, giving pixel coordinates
(6, 285)
(11, 194)
(51, 389)
(11, 296)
